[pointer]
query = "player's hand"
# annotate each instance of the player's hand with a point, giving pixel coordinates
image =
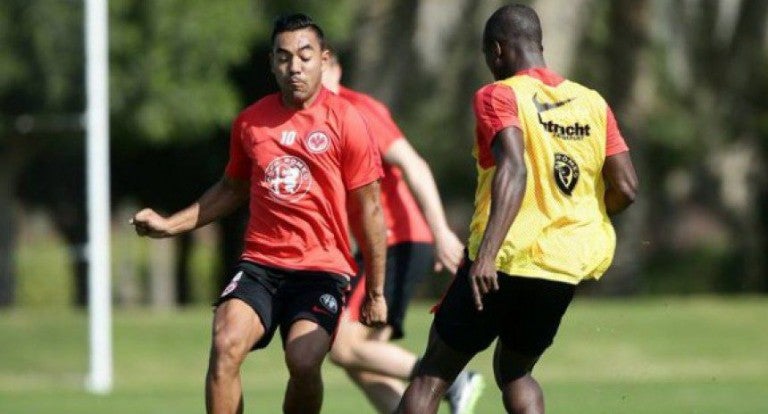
(448, 251)
(148, 223)
(483, 279)
(374, 311)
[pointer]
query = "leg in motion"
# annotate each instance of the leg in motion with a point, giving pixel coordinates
(236, 327)
(305, 348)
(436, 372)
(520, 391)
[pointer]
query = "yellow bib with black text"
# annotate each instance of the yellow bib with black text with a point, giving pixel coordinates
(562, 231)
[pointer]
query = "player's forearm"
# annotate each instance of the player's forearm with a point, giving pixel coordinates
(621, 182)
(374, 247)
(617, 201)
(507, 193)
(422, 185)
(219, 200)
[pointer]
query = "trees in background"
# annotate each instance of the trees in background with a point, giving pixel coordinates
(169, 68)
(685, 78)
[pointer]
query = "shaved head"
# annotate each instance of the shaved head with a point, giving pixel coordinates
(514, 24)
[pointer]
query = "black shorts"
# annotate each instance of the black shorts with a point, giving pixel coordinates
(406, 265)
(281, 297)
(524, 313)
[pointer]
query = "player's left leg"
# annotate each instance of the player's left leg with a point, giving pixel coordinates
(305, 347)
(359, 348)
(311, 312)
(531, 318)
(375, 366)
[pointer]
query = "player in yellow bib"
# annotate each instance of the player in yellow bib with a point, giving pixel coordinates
(552, 167)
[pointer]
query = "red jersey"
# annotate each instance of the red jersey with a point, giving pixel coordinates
(403, 218)
(301, 164)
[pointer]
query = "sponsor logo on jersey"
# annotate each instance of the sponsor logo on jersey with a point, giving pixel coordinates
(317, 142)
(329, 302)
(575, 131)
(288, 178)
(566, 173)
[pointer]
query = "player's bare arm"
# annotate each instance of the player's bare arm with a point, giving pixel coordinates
(621, 182)
(507, 191)
(219, 200)
(374, 308)
(421, 182)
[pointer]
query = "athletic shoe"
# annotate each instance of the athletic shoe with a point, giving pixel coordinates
(463, 394)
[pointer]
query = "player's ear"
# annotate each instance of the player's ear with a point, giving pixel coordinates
(325, 58)
(271, 58)
(496, 48)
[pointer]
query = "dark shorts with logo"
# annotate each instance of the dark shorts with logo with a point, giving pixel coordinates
(281, 297)
(524, 314)
(406, 265)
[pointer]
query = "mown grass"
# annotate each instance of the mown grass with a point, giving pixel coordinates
(661, 355)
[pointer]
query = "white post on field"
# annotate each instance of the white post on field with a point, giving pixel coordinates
(97, 126)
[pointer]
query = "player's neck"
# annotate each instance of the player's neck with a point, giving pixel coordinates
(530, 61)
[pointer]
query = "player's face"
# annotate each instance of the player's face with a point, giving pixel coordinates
(297, 63)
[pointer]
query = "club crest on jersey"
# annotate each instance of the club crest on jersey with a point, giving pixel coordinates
(288, 178)
(317, 142)
(566, 173)
(329, 302)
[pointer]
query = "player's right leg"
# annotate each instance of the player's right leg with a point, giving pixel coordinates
(521, 393)
(242, 322)
(458, 333)
(436, 371)
(236, 327)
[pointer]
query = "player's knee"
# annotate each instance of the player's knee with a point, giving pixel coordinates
(523, 396)
(229, 348)
(341, 355)
(301, 365)
(422, 395)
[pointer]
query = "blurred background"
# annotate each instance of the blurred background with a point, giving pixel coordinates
(687, 80)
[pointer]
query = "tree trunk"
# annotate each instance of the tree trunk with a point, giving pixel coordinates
(629, 92)
(12, 158)
(7, 232)
(162, 255)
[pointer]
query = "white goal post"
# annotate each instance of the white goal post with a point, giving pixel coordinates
(97, 176)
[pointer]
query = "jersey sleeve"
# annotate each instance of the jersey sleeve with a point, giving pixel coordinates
(495, 108)
(360, 161)
(239, 164)
(384, 129)
(614, 142)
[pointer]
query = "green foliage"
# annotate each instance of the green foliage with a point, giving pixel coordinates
(170, 61)
(41, 53)
(336, 17)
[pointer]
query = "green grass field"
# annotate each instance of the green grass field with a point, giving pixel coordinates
(663, 355)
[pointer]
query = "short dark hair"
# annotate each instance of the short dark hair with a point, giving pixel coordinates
(297, 21)
(513, 23)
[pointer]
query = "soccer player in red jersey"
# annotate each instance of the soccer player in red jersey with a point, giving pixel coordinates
(552, 167)
(297, 155)
(414, 239)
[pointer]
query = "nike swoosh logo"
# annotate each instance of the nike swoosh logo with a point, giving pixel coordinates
(546, 106)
